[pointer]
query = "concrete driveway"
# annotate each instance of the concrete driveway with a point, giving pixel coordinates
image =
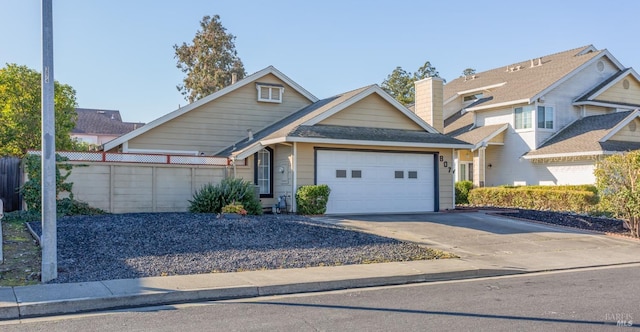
(497, 242)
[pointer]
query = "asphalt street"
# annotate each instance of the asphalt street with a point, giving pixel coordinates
(593, 299)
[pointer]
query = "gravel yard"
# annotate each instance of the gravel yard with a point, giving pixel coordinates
(607, 225)
(117, 246)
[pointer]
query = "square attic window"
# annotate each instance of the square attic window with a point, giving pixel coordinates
(270, 93)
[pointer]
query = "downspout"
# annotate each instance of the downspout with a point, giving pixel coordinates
(482, 161)
(233, 161)
(453, 176)
(294, 176)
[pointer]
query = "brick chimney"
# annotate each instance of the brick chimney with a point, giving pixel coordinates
(429, 101)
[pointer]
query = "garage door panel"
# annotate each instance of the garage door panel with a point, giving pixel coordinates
(377, 190)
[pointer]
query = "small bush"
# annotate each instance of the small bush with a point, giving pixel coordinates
(211, 198)
(462, 191)
(312, 200)
(72, 207)
(543, 198)
(64, 207)
(234, 208)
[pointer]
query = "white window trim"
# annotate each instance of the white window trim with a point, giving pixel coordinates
(273, 89)
(553, 127)
(534, 124)
(265, 154)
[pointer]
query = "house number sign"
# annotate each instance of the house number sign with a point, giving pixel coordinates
(445, 163)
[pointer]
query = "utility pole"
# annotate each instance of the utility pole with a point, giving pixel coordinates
(49, 239)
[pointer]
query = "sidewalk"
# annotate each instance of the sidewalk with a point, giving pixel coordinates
(53, 299)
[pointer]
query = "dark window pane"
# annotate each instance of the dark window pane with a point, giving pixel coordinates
(356, 174)
(341, 173)
(399, 174)
(413, 174)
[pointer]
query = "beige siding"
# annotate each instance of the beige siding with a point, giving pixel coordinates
(306, 164)
(372, 111)
(222, 122)
(306, 167)
(590, 110)
(465, 155)
(617, 93)
(429, 103)
(124, 188)
(626, 134)
(498, 139)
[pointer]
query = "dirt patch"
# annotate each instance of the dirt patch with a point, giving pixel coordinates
(22, 256)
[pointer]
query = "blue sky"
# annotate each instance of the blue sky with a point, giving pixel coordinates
(118, 54)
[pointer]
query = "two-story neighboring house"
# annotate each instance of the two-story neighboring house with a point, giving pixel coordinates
(97, 126)
(546, 120)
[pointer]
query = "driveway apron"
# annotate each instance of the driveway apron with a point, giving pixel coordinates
(492, 241)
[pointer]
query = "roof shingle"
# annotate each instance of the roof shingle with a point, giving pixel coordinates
(518, 84)
(584, 135)
(102, 122)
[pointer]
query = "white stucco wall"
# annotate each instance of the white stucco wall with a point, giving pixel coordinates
(578, 172)
(561, 98)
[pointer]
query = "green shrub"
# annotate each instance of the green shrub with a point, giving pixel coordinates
(17, 217)
(462, 191)
(618, 179)
(312, 200)
(31, 189)
(72, 207)
(211, 198)
(540, 198)
(577, 187)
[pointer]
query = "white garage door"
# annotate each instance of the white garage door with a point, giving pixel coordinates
(377, 182)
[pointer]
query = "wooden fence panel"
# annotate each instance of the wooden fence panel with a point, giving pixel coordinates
(129, 187)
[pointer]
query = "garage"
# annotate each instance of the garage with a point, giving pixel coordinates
(364, 182)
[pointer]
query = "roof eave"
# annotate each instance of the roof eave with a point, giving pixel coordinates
(379, 143)
(568, 155)
(258, 145)
(602, 104)
(506, 103)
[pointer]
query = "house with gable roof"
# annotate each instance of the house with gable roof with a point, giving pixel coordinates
(543, 121)
(376, 155)
(98, 126)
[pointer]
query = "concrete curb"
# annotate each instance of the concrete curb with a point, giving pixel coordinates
(74, 305)
(45, 300)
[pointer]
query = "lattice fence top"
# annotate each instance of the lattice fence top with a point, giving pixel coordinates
(141, 158)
